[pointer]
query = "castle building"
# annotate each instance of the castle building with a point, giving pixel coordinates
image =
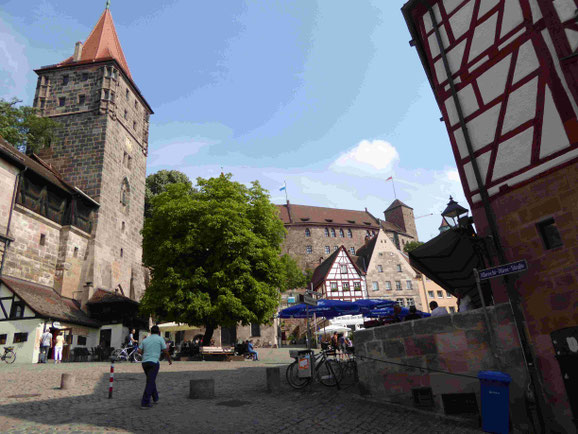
(71, 216)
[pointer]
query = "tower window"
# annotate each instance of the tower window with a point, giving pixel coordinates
(134, 125)
(326, 232)
(125, 192)
(341, 233)
(136, 104)
(65, 80)
(111, 96)
(75, 254)
(549, 234)
(333, 233)
(106, 94)
(81, 99)
(127, 94)
(62, 101)
(307, 232)
(309, 249)
(84, 76)
(380, 268)
(42, 239)
(123, 226)
(349, 233)
(121, 253)
(399, 267)
(126, 114)
(42, 102)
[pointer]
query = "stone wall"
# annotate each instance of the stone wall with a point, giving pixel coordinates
(453, 343)
(446, 300)
(8, 175)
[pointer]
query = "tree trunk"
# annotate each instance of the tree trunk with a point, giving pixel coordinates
(209, 330)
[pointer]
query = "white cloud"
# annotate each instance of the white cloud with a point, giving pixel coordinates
(374, 157)
(453, 175)
(14, 66)
(174, 154)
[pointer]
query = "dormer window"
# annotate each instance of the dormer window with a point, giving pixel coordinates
(351, 221)
(333, 235)
(305, 219)
(329, 220)
(367, 223)
(341, 233)
(307, 232)
(326, 232)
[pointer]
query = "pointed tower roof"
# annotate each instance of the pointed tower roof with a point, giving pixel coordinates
(101, 44)
(397, 203)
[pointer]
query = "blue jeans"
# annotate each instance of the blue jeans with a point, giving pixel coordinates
(254, 354)
(43, 353)
(151, 370)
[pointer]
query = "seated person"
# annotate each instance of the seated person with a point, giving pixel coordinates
(252, 351)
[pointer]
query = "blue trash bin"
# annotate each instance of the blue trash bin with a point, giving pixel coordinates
(495, 396)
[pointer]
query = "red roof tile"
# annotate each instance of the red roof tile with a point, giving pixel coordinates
(304, 214)
(103, 296)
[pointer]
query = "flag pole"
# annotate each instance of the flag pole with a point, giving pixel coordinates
(286, 197)
(393, 183)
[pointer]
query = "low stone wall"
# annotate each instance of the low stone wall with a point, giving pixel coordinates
(456, 343)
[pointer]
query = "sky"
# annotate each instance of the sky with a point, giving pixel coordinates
(327, 96)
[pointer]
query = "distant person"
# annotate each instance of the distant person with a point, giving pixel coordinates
(132, 342)
(151, 349)
(58, 346)
(341, 342)
(396, 314)
(436, 310)
(464, 303)
(335, 341)
(252, 351)
(45, 345)
(412, 314)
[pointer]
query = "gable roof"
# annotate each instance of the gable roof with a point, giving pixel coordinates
(396, 203)
(102, 43)
(104, 296)
(323, 269)
(310, 215)
(47, 303)
(366, 251)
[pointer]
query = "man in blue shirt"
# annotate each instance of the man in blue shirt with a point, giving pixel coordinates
(151, 349)
(252, 351)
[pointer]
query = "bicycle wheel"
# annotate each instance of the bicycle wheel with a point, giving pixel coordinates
(330, 373)
(293, 379)
(9, 357)
(137, 357)
(117, 355)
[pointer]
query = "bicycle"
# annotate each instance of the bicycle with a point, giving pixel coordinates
(349, 366)
(9, 355)
(129, 354)
(324, 370)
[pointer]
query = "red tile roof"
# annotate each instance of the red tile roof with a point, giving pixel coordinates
(103, 296)
(397, 203)
(47, 303)
(102, 43)
(304, 214)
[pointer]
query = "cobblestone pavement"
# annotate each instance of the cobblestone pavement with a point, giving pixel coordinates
(31, 401)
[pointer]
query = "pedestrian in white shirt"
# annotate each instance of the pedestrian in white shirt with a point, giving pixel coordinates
(45, 344)
(436, 310)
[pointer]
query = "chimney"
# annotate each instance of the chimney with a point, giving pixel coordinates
(77, 51)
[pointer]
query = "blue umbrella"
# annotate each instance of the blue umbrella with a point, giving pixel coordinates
(325, 308)
(388, 311)
(370, 304)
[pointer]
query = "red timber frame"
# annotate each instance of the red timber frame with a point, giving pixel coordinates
(532, 28)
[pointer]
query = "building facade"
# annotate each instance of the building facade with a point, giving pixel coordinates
(433, 292)
(505, 77)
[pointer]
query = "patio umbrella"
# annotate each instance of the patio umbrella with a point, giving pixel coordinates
(369, 304)
(388, 311)
(330, 329)
(325, 308)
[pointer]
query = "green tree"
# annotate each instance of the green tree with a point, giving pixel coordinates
(158, 182)
(21, 127)
(411, 246)
(293, 277)
(213, 254)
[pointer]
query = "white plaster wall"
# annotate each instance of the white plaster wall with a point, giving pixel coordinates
(118, 334)
(26, 352)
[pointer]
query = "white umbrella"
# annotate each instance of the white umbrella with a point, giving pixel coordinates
(175, 327)
(332, 329)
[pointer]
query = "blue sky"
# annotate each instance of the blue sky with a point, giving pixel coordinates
(325, 95)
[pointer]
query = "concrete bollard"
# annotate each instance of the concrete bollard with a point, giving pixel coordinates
(66, 381)
(202, 389)
(273, 380)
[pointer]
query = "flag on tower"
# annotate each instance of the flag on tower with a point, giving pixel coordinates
(283, 188)
(391, 177)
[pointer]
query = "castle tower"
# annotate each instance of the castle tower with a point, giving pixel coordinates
(101, 147)
(401, 215)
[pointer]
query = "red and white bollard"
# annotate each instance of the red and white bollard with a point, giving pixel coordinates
(111, 380)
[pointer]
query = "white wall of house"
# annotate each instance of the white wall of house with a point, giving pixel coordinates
(117, 336)
(26, 352)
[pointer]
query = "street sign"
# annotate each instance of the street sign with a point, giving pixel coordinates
(501, 270)
(314, 293)
(307, 299)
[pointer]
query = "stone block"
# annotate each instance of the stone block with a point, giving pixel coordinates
(456, 362)
(502, 313)
(394, 348)
(374, 349)
(363, 336)
(480, 361)
(399, 330)
(477, 339)
(67, 381)
(449, 342)
(507, 337)
(473, 319)
(273, 379)
(419, 346)
(202, 389)
(443, 383)
(440, 324)
(418, 362)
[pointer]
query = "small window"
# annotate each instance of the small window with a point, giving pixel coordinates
(84, 76)
(127, 94)
(255, 330)
(62, 101)
(343, 269)
(309, 249)
(125, 192)
(106, 94)
(388, 285)
(410, 302)
(333, 286)
(134, 125)
(440, 294)
(349, 233)
(111, 96)
(430, 294)
(335, 248)
(126, 114)
(3, 339)
(357, 286)
(326, 232)
(399, 267)
(20, 337)
(129, 162)
(352, 250)
(327, 250)
(341, 233)
(81, 99)
(122, 226)
(408, 284)
(375, 286)
(42, 239)
(65, 80)
(381, 253)
(333, 233)
(114, 74)
(136, 104)
(549, 234)
(121, 252)
(42, 102)
(308, 232)
(400, 301)
(346, 286)
(81, 340)
(398, 285)
(380, 268)
(448, 295)
(452, 309)
(75, 254)
(17, 310)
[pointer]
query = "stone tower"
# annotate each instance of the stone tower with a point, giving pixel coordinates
(101, 147)
(401, 215)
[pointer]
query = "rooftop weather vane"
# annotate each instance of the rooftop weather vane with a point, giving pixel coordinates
(108, 4)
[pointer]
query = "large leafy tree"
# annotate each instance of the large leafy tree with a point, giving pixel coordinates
(21, 127)
(292, 277)
(158, 182)
(213, 254)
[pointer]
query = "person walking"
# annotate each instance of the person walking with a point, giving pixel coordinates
(151, 349)
(437, 310)
(58, 346)
(45, 345)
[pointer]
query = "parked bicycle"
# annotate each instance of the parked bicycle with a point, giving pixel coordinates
(128, 354)
(9, 355)
(325, 370)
